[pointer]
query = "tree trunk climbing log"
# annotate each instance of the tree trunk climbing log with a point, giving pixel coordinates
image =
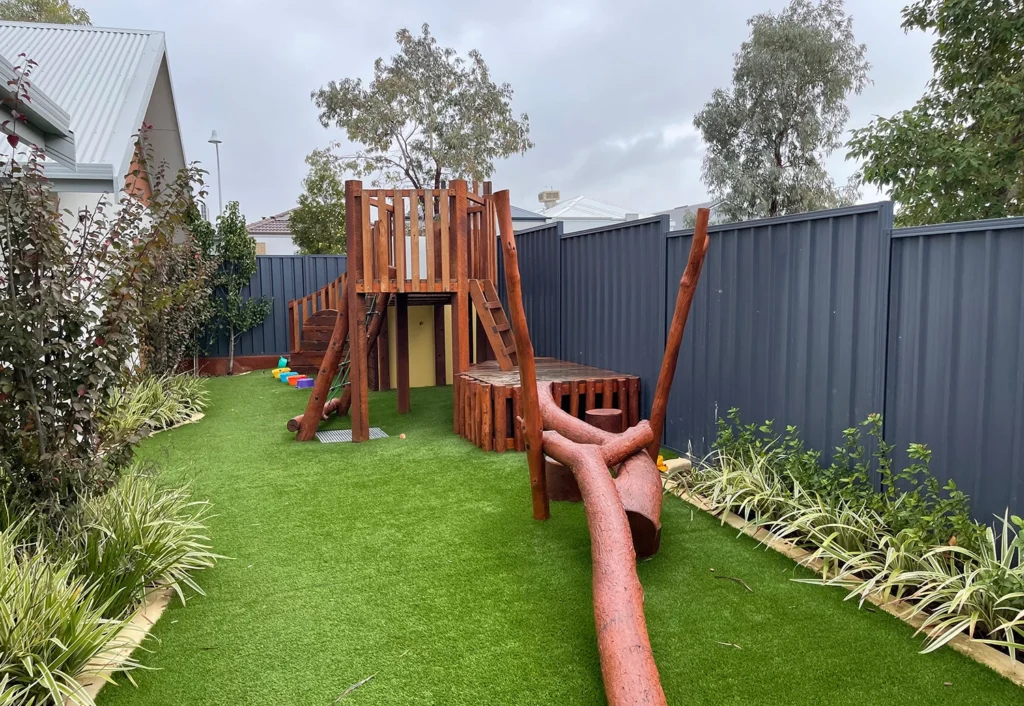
(687, 288)
(622, 512)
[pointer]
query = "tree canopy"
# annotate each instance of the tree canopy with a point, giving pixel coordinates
(52, 11)
(318, 222)
(428, 115)
(958, 154)
(769, 135)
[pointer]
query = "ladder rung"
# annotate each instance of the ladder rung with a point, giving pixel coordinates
(499, 328)
(492, 305)
(508, 350)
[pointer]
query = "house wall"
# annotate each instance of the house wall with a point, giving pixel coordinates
(277, 245)
(76, 202)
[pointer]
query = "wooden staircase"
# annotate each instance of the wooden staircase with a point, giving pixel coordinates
(495, 323)
(316, 335)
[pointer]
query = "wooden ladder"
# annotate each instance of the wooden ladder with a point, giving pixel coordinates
(496, 325)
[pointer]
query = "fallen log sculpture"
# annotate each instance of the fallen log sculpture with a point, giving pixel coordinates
(623, 513)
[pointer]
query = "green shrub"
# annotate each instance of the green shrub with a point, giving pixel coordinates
(185, 272)
(52, 625)
(76, 292)
(908, 499)
(138, 536)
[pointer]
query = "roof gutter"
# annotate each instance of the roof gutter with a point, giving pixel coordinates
(42, 113)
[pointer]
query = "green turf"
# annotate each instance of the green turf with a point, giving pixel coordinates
(416, 561)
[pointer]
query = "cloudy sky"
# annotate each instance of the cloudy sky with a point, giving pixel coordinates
(611, 88)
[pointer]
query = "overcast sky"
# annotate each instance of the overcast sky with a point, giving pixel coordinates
(611, 88)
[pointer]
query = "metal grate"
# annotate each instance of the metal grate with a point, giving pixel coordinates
(339, 436)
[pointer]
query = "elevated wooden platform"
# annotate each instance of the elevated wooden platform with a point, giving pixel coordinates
(488, 399)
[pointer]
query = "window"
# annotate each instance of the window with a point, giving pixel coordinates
(261, 248)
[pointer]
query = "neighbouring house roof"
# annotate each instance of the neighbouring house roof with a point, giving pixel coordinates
(276, 225)
(108, 81)
(677, 215)
(522, 214)
(584, 207)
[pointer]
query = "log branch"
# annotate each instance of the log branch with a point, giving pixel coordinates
(674, 340)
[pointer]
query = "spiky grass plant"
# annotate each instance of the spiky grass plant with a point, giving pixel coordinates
(138, 536)
(874, 546)
(977, 592)
(150, 403)
(52, 626)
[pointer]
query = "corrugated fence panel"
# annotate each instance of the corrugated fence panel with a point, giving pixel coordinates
(281, 278)
(321, 270)
(613, 299)
(540, 269)
(956, 356)
(788, 323)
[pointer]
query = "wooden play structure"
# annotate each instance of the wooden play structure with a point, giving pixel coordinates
(623, 507)
(579, 426)
(406, 247)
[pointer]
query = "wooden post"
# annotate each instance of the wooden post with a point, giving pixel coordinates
(460, 309)
(357, 215)
(402, 351)
(440, 366)
(372, 371)
(687, 287)
(527, 365)
(328, 369)
(384, 354)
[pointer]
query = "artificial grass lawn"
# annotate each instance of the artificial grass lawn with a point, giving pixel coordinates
(417, 561)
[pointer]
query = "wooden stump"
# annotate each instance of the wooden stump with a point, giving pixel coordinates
(610, 420)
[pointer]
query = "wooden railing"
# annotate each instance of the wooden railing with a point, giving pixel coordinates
(423, 234)
(327, 297)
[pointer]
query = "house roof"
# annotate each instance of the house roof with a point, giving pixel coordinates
(586, 208)
(522, 214)
(677, 214)
(103, 78)
(272, 225)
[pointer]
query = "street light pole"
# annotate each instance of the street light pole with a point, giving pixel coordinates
(215, 141)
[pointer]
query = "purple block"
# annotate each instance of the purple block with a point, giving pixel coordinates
(307, 382)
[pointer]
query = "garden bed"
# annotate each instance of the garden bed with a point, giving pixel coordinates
(992, 658)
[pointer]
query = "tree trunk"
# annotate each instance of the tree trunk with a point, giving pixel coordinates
(231, 350)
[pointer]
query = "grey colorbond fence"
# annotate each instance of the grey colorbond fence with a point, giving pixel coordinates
(815, 320)
(955, 373)
(540, 267)
(788, 323)
(282, 278)
(612, 299)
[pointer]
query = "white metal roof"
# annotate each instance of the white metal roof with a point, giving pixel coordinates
(102, 77)
(588, 208)
(523, 214)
